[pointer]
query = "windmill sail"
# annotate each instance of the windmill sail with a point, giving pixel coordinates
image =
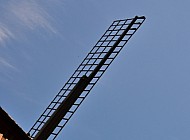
(76, 89)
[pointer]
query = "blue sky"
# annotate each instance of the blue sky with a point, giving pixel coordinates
(144, 95)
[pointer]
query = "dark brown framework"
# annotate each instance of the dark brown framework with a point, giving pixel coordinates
(58, 113)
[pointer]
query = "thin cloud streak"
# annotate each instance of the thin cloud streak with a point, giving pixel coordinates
(27, 16)
(5, 34)
(31, 14)
(4, 63)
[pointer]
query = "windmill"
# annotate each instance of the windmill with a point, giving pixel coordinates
(76, 89)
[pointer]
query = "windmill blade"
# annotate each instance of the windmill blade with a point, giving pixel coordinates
(76, 89)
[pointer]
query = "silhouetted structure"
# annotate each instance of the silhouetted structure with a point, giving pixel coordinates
(70, 97)
(76, 89)
(9, 129)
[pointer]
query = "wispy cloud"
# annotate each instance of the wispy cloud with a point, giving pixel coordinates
(21, 15)
(4, 34)
(31, 14)
(4, 63)
(19, 19)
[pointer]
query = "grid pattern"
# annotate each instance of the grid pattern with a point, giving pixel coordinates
(117, 35)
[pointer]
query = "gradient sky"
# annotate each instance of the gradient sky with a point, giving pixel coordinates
(144, 95)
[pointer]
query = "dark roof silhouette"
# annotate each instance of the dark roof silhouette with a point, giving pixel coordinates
(10, 129)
